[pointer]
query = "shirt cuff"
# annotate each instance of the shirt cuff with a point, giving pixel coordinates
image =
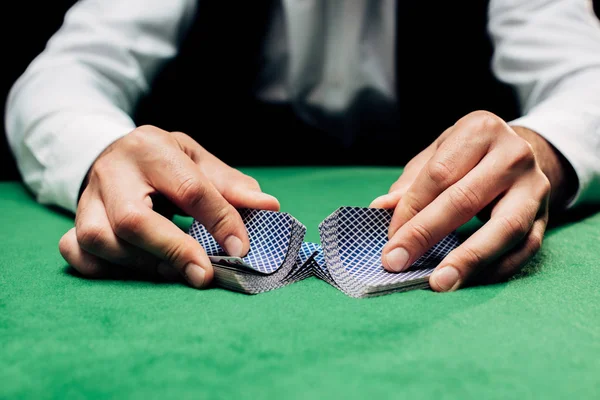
(577, 138)
(72, 152)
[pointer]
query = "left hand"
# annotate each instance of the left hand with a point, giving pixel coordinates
(479, 164)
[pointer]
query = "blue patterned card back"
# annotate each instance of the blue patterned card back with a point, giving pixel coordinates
(269, 233)
(361, 235)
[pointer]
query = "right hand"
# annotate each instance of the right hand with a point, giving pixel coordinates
(116, 226)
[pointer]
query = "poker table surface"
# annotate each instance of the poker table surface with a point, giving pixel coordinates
(63, 336)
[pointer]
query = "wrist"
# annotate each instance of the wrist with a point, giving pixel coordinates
(560, 173)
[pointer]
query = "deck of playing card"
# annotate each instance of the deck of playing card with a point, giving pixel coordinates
(274, 258)
(349, 258)
(353, 239)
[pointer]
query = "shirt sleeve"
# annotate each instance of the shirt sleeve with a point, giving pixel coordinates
(549, 51)
(78, 95)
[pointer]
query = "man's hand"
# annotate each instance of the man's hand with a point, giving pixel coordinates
(478, 166)
(115, 222)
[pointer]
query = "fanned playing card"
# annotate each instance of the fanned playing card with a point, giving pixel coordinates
(275, 242)
(349, 258)
(353, 239)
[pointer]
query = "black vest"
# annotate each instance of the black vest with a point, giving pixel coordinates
(443, 55)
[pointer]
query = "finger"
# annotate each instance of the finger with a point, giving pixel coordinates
(513, 221)
(136, 223)
(94, 267)
(239, 189)
(410, 172)
(453, 208)
(85, 263)
(512, 262)
(182, 181)
(391, 199)
(456, 156)
(95, 236)
(243, 191)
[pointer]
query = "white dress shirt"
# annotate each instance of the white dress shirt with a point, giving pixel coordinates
(78, 95)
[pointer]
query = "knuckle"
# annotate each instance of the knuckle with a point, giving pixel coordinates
(100, 166)
(180, 138)
(91, 236)
(411, 203)
(534, 243)
(191, 192)
(544, 185)
(487, 121)
(421, 235)
(439, 173)
(464, 200)
(522, 154)
(85, 266)
(481, 114)
(128, 221)
(145, 136)
(176, 252)
(515, 226)
(138, 137)
(221, 221)
(103, 171)
(472, 257)
(146, 131)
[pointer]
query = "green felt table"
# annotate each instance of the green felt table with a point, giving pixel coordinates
(62, 336)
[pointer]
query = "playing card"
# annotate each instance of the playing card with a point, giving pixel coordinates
(348, 258)
(275, 240)
(353, 239)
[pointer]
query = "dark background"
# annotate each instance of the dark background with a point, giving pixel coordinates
(28, 25)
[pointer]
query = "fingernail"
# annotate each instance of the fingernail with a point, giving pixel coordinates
(233, 246)
(194, 275)
(397, 259)
(446, 278)
(166, 271)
